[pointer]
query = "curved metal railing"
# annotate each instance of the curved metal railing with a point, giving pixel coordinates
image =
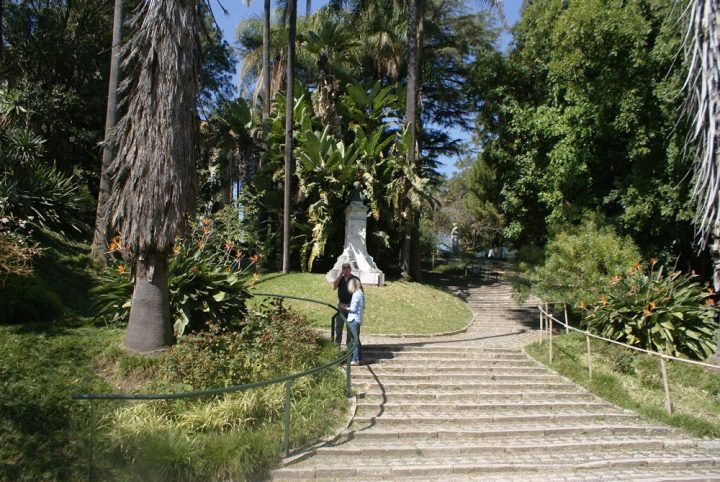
(287, 380)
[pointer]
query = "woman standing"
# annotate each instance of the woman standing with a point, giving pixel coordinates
(355, 316)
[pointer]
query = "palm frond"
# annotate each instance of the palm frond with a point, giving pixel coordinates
(702, 107)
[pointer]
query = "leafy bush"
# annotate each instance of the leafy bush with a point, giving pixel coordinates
(272, 342)
(206, 279)
(26, 300)
(578, 264)
(665, 313)
(232, 436)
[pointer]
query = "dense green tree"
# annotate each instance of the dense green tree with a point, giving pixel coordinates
(586, 120)
(57, 54)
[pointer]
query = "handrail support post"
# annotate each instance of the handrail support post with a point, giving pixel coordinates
(666, 385)
(286, 417)
(589, 356)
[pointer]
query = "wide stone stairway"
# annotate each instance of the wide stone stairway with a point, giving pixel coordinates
(474, 406)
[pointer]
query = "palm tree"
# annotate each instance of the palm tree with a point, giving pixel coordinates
(702, 106)
(266, 69)
(100, 235)
(290, 95)
(154, 167)
(265, 73)
(331, 47)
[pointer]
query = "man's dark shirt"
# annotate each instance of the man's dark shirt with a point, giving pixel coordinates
(344, 296)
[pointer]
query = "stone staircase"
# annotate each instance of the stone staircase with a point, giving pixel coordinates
(473, 407)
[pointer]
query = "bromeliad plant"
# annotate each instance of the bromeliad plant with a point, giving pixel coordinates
(665, 313)
(207, 278)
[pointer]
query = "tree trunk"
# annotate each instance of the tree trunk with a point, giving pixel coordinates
(2, 38)
(308, 7)
(290, 103)
(150, 328)
(266, 78)
(98, 249)
(411, 104)
(415, 267)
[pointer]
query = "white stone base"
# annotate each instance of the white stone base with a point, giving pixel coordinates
(362, 267)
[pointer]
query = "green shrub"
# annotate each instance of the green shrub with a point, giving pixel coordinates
(578, 264)
(665, 313)
(233, 436)
(272, 342)
(206, 278)
(26, 300)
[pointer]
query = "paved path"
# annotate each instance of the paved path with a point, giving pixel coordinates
(474, 406)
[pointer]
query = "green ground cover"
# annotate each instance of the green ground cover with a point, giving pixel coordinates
(399, 307)
(634, 381)
(44, 434)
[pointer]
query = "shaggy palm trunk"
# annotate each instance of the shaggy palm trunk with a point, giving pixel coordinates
(150, 328)
(411, 115)
(154, 168)
(290, 103)
(98, 249)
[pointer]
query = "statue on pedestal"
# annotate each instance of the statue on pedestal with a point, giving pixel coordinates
(355, 250)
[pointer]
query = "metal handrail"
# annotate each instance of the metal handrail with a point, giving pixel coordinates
(288, 380)
(545, 315)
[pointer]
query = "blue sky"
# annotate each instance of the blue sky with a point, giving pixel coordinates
(239, 12)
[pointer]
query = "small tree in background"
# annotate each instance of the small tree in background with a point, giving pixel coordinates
(578, 264)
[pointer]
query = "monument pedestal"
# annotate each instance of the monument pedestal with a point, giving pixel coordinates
(355, 251)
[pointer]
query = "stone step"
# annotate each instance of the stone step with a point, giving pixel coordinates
(447, 361)
(444, 355)
(404, 349)
(360, 375)
(464, 408)
(521, 445)
(472, 387)
(370, 395)
(425, 465)
(432, 368)
(644, 474)
(423, 420)
(537, 431)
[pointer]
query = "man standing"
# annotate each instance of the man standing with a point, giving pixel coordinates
(344, 298)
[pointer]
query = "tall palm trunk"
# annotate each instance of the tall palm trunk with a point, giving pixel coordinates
(266, 75)
(415, 271)
(98, 249)
(411, 118)
(153, 170)
(2, 38)
(308, 7)
(150, 328)
(290, 103)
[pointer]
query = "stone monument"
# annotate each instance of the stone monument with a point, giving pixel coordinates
(355, 250)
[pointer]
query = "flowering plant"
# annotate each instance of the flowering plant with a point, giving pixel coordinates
(668, 313)
(208, 279)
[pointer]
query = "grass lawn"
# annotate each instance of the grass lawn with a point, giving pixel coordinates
(399, 307)
(634, 381)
